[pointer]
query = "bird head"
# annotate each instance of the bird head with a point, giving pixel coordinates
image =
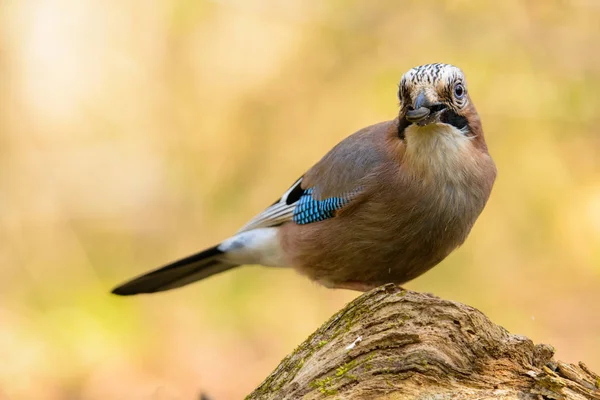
(435, 94)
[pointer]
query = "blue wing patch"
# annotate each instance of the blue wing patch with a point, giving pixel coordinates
(309, 210)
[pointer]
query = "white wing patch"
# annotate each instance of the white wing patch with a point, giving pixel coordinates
(277, 214)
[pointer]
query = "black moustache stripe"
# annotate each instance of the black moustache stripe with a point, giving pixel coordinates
(452, 118)
(402, 125)
(448, 117)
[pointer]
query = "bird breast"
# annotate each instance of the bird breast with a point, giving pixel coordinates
(439, 152)
(454, 175)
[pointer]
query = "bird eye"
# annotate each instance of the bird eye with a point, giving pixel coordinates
(459, 91)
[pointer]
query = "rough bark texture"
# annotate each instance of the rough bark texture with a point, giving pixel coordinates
(395, 344)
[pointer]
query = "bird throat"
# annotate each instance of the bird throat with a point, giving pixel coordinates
(437, 150)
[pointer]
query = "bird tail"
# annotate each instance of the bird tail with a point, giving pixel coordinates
(177, 274)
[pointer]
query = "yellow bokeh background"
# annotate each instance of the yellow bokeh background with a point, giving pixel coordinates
(133, 133)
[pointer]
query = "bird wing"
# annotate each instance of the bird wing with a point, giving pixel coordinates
(329, 185)
(280, 212)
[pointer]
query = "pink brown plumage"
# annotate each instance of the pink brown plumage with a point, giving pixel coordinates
(383, 206)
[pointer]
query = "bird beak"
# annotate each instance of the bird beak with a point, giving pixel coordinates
(423, 109)
(420, 110)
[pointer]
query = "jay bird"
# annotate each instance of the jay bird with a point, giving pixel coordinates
(385, 205)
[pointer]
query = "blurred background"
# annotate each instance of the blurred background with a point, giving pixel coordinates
(134, 133)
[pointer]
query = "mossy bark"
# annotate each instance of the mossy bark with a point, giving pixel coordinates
(395, 344)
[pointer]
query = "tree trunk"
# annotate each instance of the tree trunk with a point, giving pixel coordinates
(395, 344)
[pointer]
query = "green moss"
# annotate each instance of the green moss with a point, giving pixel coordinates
(549, 382)
(552, 384)
(341, 371)
(325, 386)
(346, 318)
(367, 362)
(322, 343)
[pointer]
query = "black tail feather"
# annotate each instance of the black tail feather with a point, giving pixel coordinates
(180, 273)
